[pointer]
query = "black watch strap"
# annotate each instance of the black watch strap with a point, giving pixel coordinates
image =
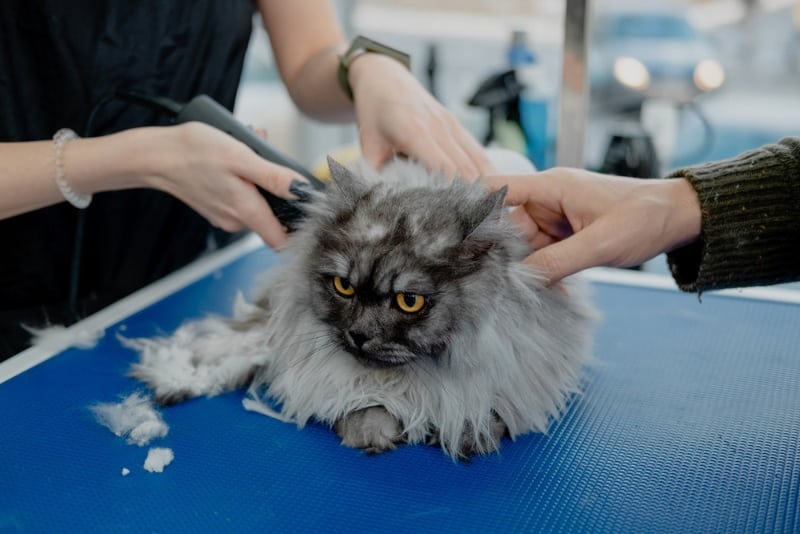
(361, 45)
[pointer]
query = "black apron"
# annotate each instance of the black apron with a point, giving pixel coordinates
(58, 60)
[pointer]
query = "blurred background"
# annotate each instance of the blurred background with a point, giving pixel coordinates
(672, 83)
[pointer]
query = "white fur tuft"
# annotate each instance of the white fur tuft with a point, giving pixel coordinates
(58, 337)
(134, 417)
(205, 357)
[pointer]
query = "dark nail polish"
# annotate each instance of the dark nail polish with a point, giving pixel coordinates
(300, 189)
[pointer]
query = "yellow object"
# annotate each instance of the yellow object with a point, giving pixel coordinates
(410, 303)
(344, 155)
(343, 287)
(508, 134)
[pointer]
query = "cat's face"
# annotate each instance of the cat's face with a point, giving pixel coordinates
(396, 272)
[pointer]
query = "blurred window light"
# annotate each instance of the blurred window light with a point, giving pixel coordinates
(632, 73)
(709, 75)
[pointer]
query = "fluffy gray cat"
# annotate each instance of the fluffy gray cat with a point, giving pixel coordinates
(402, 313)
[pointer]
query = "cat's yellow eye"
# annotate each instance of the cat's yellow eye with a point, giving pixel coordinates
(410, 303)
(343, 287)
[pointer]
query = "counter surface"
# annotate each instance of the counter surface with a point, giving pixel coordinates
(688, 422)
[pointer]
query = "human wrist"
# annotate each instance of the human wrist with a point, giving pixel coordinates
(60, 140)
(163, 150)
(126, 160)
(686, 220)
(370, 65)
(360, 47)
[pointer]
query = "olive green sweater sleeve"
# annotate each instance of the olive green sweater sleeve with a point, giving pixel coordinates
(750, 221)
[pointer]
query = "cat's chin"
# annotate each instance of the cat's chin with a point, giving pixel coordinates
(381, 360)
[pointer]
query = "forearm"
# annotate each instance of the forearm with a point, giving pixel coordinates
(120, 161)
(315, 89)
(307, 40)
(750, 221)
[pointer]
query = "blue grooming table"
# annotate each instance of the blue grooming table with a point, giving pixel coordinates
(690, 422)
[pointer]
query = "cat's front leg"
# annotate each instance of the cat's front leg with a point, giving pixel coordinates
(373, 429)
(468, 445)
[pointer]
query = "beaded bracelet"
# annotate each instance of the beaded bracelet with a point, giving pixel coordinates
(61, 138)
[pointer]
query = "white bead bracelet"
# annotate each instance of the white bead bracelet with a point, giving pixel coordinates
(61, 138)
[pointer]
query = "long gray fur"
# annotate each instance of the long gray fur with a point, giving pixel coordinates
(493, 346)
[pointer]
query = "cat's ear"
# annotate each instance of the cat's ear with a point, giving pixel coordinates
(345, 181)
(482, 225)
(339, 173)
(486, 212)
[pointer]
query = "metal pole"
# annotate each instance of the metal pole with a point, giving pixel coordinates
(574, 100)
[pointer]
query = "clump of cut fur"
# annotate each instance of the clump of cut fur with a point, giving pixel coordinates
(492, 350)
(134, 418)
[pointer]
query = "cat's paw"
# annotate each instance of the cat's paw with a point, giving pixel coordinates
(373, 429)
(469, 446)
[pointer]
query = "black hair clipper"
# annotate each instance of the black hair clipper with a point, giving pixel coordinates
(204, 109)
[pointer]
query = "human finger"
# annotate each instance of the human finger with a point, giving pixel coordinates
(608, 241)
(426, 150)
(532, 232)
(274, 178)
(375, 150)
(463, 150)
(254, 213)
(524, 222)
(459, 158)
(558, 260)
(522, 188)
(475, 151)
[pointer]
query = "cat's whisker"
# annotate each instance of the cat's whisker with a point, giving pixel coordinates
(301, 361)
(310, 340)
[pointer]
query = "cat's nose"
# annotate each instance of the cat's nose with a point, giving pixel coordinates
(358, 338)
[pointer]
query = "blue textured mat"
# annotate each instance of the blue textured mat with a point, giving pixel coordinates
(689, 424)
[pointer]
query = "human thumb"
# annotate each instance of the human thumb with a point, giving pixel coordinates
(564, 258)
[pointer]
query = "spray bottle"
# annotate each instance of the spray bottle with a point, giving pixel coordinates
(535, 109)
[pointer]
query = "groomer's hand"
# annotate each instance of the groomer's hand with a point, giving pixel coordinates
(395, 114)
(217, 176)
(575, 219)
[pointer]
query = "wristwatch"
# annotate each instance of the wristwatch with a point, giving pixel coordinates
(362, 45)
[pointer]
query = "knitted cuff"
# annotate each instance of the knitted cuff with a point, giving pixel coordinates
(750, 221)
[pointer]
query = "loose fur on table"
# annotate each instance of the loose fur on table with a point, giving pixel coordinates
(134, 418)
(402, 313)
